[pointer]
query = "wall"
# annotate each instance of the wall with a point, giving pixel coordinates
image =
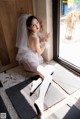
(43, 10)
(10, 10)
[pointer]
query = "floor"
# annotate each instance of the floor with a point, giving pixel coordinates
(11, 78)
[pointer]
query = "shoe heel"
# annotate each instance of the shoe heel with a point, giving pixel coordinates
(37, 109)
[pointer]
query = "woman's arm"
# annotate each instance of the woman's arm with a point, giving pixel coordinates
(46, 36)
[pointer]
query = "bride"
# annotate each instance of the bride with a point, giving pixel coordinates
(31, 43)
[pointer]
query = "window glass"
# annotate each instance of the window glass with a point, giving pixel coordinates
(69, 42)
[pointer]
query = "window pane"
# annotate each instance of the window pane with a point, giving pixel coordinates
(69, 45)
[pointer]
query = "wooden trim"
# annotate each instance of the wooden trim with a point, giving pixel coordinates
(9, 66)
(55, 29)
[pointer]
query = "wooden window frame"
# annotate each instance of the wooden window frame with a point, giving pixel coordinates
(56, 27)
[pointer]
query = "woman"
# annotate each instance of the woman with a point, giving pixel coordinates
(36, 43)
(33, 46)
(30, 51)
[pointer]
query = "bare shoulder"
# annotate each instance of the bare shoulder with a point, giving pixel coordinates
(34, 38)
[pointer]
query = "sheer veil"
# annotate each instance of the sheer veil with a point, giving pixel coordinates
(22, 36)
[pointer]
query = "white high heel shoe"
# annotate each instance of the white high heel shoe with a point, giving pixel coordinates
(35, 85)
(39, 106)
(39, 103)
(47, 70)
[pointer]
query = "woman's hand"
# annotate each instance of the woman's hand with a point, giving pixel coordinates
(46, 36)
(41, 26)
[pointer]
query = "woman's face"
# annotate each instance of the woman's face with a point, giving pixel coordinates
(35, 25)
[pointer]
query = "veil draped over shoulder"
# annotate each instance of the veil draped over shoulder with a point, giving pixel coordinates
(25, 54)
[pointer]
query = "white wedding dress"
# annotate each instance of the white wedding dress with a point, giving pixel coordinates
(25, 55)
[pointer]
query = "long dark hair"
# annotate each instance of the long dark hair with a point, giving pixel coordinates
(29, 20)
